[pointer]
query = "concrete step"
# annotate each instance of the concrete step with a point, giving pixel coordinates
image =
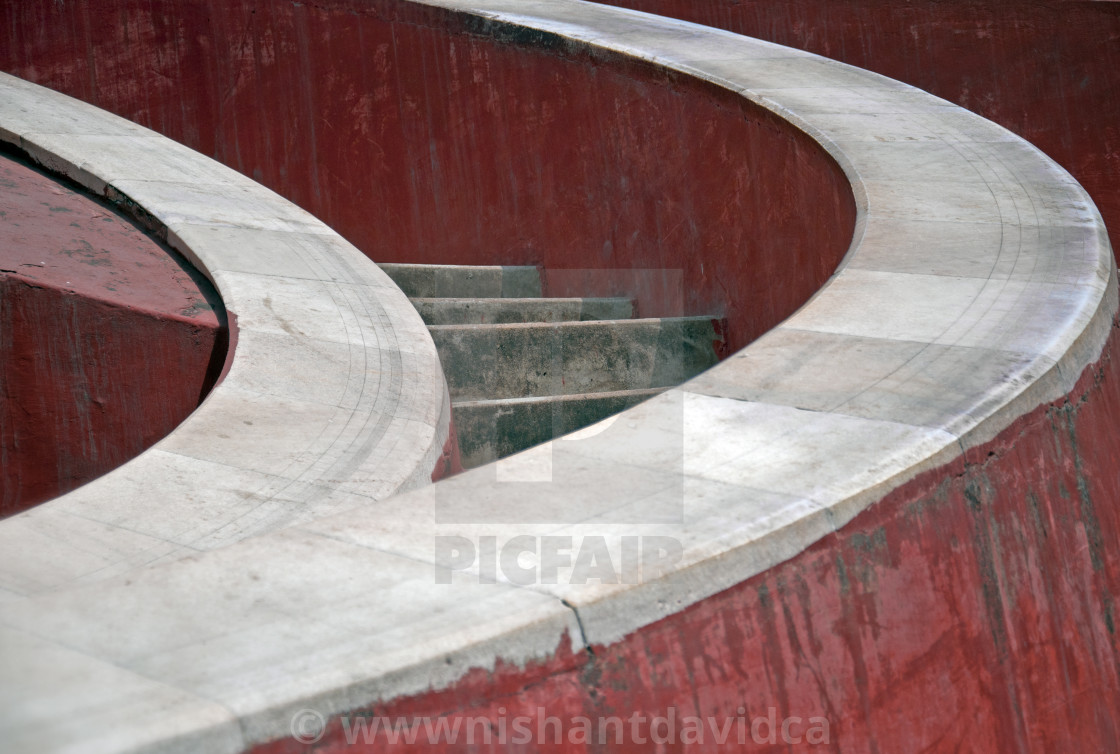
(492, 429)
(481, 311)
(460, 281)
(485, 362)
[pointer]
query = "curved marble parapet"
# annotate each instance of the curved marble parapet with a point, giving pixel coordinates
(333, 393)
(980, 284)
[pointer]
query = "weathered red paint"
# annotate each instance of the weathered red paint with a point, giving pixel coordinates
(109, 341)
(1049, 70)
(421, 137)
(449, 462)
(973, 609)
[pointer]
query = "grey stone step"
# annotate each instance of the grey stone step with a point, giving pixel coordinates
(451, 280)
(484, 362)
(492, 429)
(479, 311)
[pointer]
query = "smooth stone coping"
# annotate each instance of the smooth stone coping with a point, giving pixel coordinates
(980, 284)
(334, 386)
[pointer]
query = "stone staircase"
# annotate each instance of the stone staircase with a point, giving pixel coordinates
(522, 369)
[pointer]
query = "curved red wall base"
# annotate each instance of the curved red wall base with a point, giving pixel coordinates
(973, 609)
(107, 342)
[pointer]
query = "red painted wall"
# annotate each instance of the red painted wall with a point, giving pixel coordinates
(421, 140)
(1049, 70)
(108, 341)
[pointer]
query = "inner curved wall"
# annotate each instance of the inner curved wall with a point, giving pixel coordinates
(421, 143)
(109, 340)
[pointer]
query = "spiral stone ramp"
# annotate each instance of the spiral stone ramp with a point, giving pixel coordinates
(883, 525)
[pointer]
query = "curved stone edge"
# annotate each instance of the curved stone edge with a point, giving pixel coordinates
(733, 529)
(979, 285)
(332, 382)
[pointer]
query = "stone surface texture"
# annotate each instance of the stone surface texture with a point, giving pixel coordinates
(165, 586)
